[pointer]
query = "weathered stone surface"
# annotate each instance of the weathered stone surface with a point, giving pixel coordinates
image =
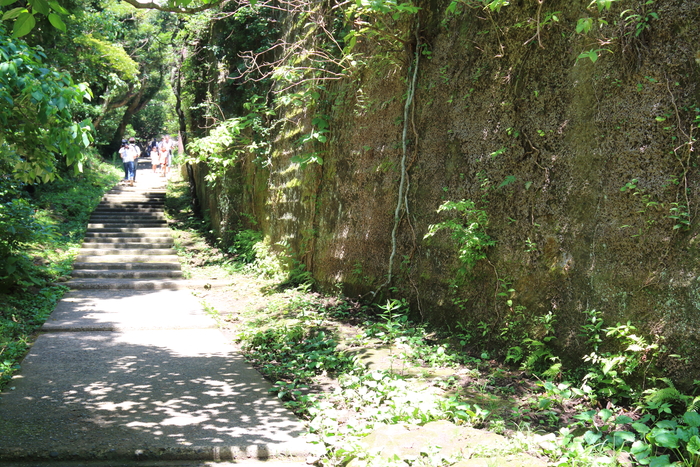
(541, 140)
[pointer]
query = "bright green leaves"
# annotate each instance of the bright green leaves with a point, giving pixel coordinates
(583, 25)
(387, 6)
(104, 54)
(24, 21)
(602, 4)
(468, 230)
(592, 54)
(230, 139)
(24, 17)
(57, 22)
(36, 121)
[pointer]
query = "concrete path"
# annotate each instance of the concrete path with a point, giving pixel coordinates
(129, 370)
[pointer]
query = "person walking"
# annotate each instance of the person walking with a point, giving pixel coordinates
(123, 154)
(155, 158)
(136, 149)
(129, 153)
(165, 151)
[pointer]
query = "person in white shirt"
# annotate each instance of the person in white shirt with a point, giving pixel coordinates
(122, 153)
(129, 154)
(165, 152)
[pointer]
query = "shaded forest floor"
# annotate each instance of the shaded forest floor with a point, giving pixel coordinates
(277, 328)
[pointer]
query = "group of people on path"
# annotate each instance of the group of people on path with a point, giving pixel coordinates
(161, 154)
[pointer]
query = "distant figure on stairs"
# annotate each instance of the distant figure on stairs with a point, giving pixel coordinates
(129, 152)
(165, 151)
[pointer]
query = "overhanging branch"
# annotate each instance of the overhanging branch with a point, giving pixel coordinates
(172, 7)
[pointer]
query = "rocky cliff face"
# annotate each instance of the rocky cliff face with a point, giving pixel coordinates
(586, 171)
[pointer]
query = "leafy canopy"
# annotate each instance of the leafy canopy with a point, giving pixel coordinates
(37, 132)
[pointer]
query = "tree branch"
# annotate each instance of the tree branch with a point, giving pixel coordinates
(169, 7)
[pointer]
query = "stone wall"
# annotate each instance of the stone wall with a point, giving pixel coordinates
(543, 142)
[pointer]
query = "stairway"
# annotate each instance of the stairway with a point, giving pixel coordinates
(128, 244)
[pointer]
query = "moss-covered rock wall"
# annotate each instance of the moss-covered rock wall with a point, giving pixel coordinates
(586, 170)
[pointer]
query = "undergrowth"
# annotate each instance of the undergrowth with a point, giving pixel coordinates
(612, 409)
(41, 229)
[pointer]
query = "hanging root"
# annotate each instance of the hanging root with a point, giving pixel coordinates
(401, 198)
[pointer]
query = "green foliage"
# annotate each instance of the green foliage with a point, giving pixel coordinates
(23, 17)
(21, 313)
(231, 139)
(108, 56)
(468, 231)
(39, 237)
(680, 213)
(295, 351)
(37, 132)
(592, 54)
(455, 6)
(393, 321)
(617, 373)
(18, 229)
(651, 440)
(536, 354)
(639, 21)
(243, 245)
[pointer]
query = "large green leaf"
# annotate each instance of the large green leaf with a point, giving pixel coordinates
(58, 8)
(665, 439)
(13, 13)
(692, 419)
(660, 461)
(41, 6)
(57, 22)
(24, 23)
(694, 446)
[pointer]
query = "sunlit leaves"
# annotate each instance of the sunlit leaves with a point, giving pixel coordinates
(24, 19)
(57, 22)
(104, 54)
(36, 123)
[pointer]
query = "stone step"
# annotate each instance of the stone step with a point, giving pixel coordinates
(128, 210)
(106, 209)
(144, 241)
(127, 258)
(124, 225)
(129, 232)
(103, 218)
(129, 199)
(129, 251)
(127, 245)
(127, 274)
(136, 189)
(117, 204)
(126, 266)
(131, 202)
(121, 284)
(133, 198)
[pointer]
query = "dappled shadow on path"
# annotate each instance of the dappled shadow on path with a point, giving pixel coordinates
(97, 394)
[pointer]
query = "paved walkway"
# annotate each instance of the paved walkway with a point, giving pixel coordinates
(128, 369)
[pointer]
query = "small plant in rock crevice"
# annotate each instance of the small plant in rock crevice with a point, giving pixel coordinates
(468, 231)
